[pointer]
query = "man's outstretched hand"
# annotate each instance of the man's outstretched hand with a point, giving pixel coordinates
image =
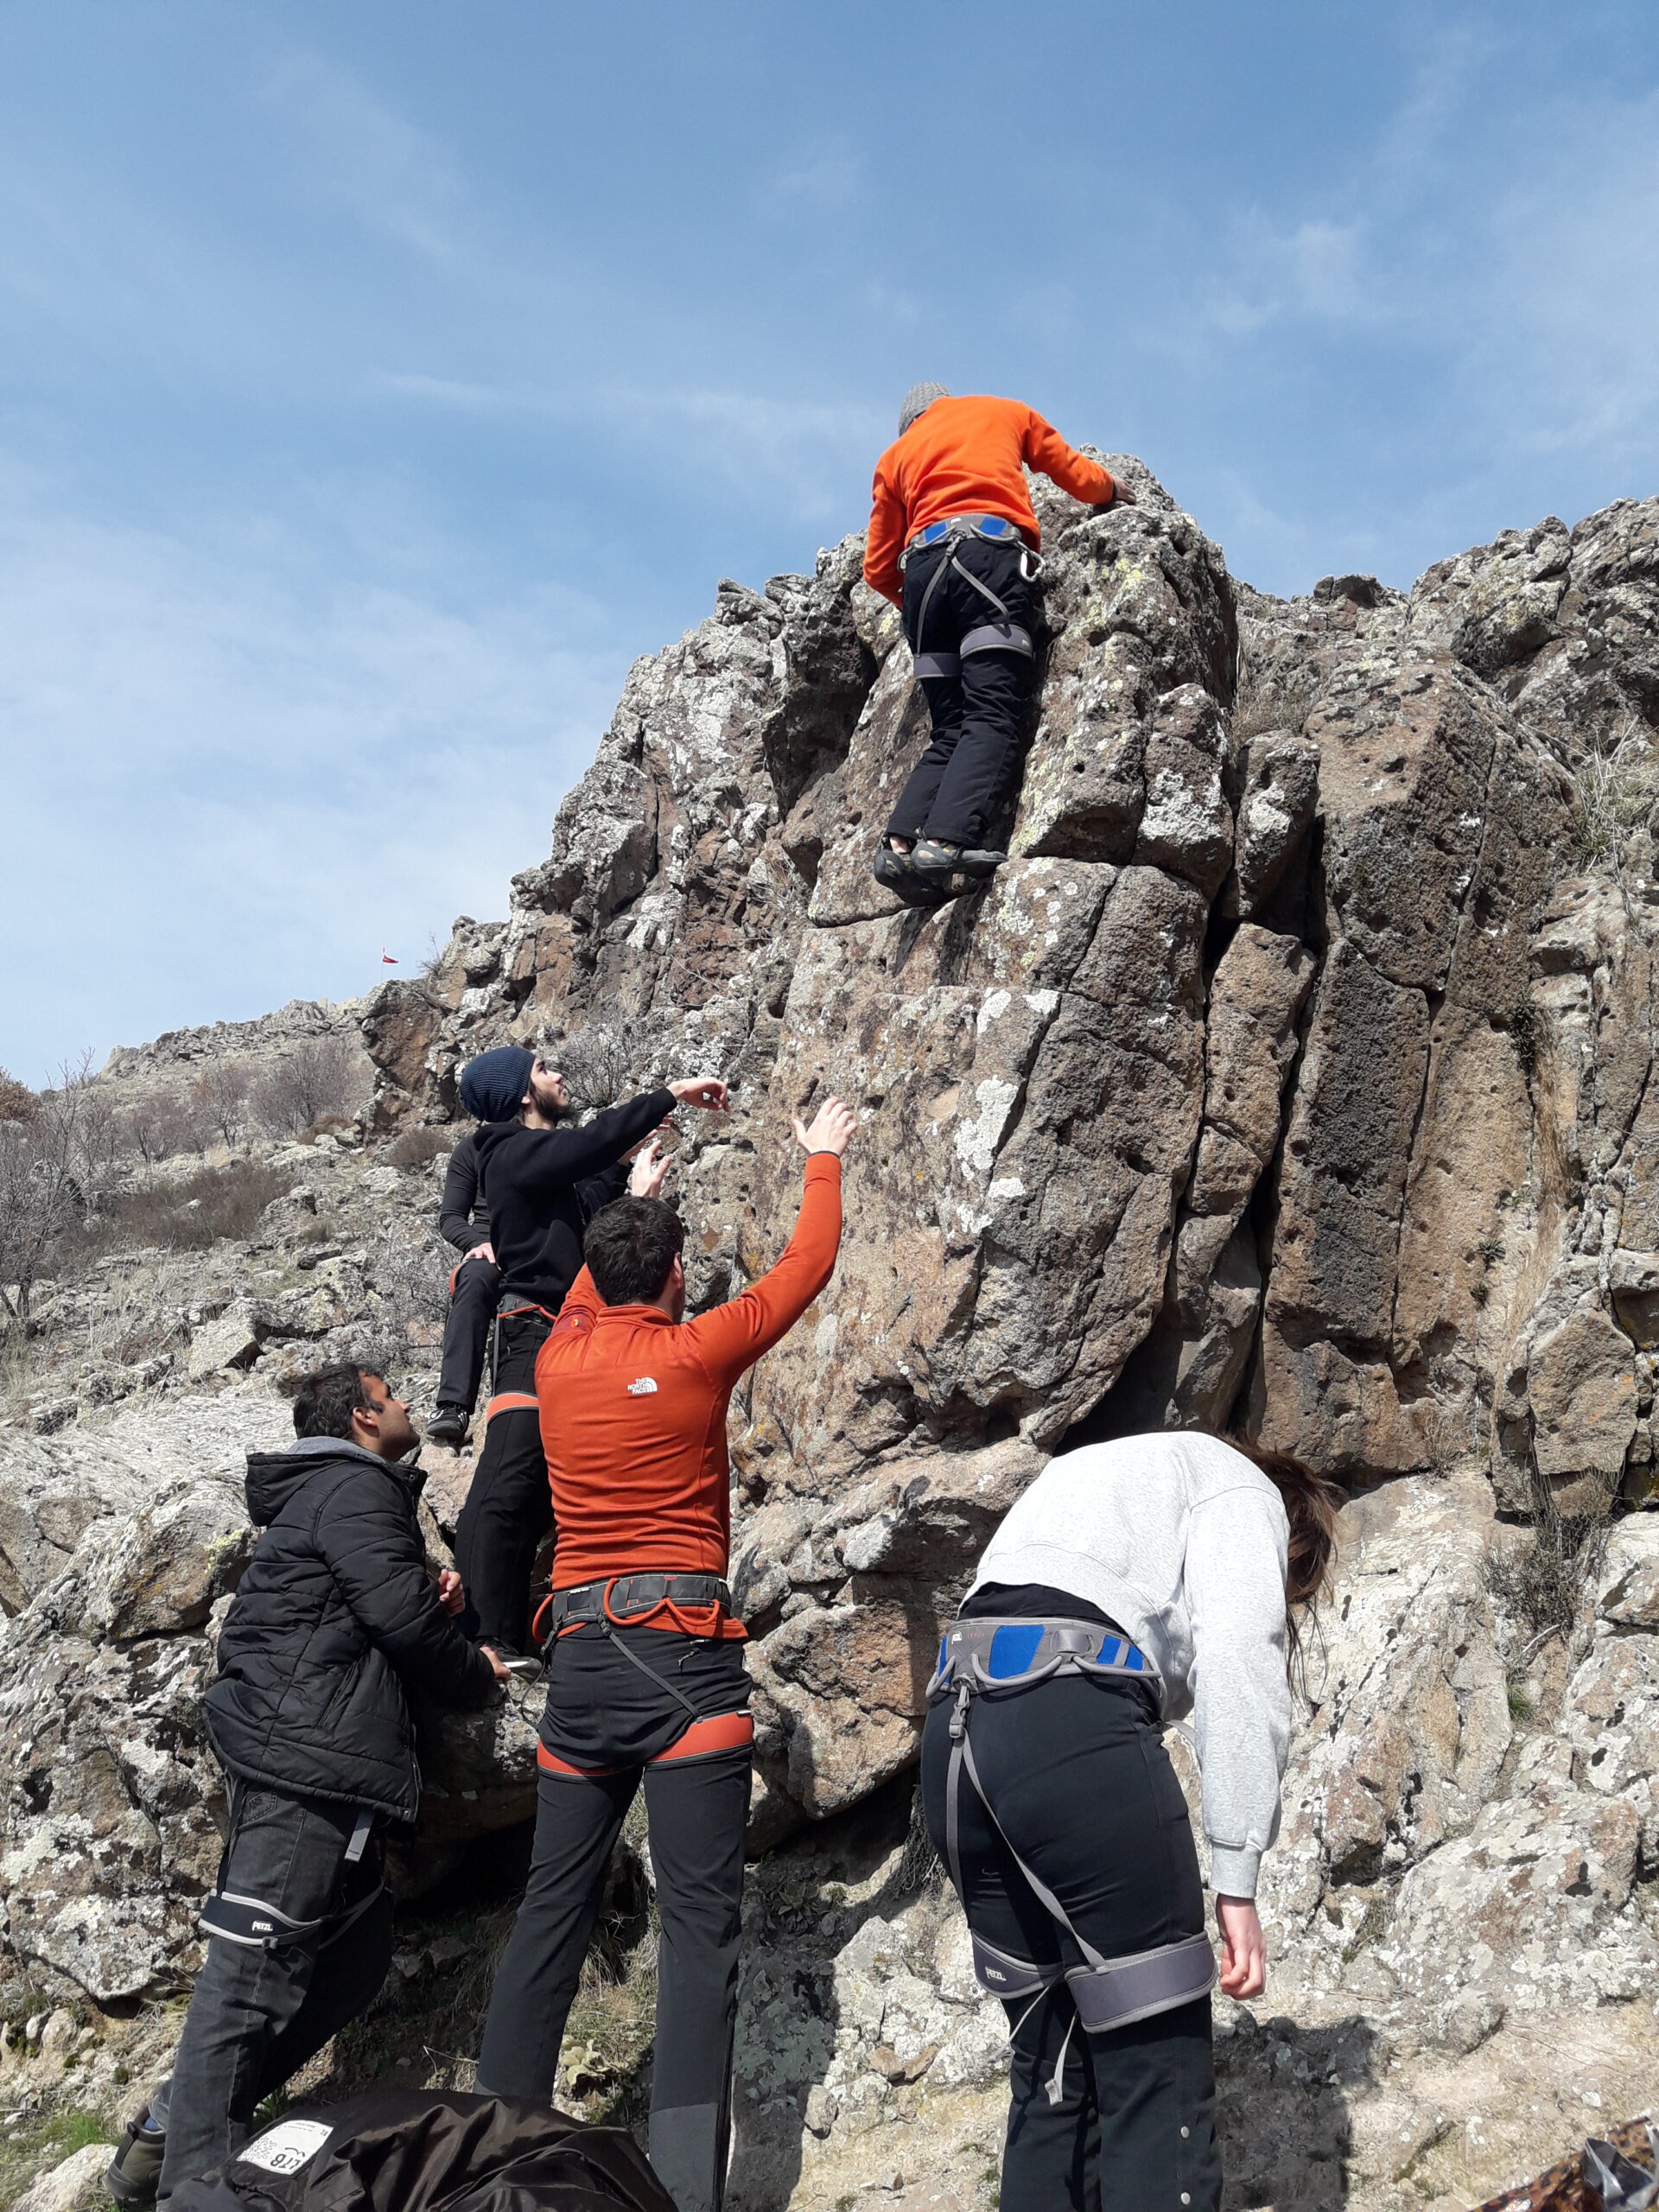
(830, 1130)
(1122, 495)
(706, 1091)
(650, 1166)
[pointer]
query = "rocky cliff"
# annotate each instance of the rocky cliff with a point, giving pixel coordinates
(1295, 1074)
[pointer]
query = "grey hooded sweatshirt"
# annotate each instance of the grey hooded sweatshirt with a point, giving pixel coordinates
(1182, 1542)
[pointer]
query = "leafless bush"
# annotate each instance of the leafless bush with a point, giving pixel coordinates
(1542, 1583)
(419, 1146)
(17, 1101)
(596, 1061)
(220, 1093)
(316, 1076)
(185, 1216)
(409, 1271)
(54, 1165)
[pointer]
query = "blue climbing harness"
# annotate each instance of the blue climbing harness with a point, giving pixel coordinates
(992, 1657)
(1005, 635)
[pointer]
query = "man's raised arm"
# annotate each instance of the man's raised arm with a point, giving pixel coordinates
(733, 1337)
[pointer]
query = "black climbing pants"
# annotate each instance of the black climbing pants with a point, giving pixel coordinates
(1083, 1787)
(257, 2016)
(475, 1289)
(697, 1806)
(509, 1505)
(956, 787)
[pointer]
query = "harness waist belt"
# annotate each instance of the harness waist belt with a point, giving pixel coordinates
(1008, 1655)
(997, 528)
(623, 1594)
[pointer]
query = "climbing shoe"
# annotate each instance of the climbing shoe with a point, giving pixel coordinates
(929, 856)
(448, 1427)
(134, 2175)
(895, 872)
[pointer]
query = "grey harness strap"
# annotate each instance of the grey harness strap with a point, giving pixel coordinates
(1107, 1993)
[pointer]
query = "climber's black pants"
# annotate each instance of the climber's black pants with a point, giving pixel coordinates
(1083, 1787)
(475, 1287)
(956, 787)
(509, 1505)
(257, 2016)
(696, 1808)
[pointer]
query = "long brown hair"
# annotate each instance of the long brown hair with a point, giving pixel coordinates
(1312, 1502)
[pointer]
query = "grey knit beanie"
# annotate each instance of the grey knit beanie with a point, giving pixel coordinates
(918, 400)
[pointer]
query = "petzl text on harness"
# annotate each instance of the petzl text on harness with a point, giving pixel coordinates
(1004, 634)
(987, 1657)
(254, 1925)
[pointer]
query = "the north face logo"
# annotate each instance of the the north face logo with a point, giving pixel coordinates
(642, 1386)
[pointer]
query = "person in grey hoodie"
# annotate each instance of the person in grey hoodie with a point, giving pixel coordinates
(1135, 1584)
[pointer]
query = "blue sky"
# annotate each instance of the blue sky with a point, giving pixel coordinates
(377, 380)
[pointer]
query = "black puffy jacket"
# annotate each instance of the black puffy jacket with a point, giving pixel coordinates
(334, 1618)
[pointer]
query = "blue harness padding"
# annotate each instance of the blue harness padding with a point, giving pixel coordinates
(980, 1657)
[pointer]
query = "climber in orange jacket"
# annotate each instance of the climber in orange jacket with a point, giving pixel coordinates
(953, 541)
(647, 1680)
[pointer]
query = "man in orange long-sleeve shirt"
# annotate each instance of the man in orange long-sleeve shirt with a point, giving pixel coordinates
(646, 1668)
(952, 540)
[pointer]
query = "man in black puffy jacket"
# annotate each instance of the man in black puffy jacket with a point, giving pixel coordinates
(336, 1617)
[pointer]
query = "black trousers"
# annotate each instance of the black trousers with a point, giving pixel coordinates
(474, 1293)
(696, 1810)
(509, 1505)
(1083, 1787)
(958, 784)
(255, 2017)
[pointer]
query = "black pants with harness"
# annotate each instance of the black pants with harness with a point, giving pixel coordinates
(509, 1505)
(1119, 2121)
(976, 668)
(474, 1288)
(620, 1709)
(261, 2009)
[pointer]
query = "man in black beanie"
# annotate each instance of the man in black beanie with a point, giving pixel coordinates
(543, 1180)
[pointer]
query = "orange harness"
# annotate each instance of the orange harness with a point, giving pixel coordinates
(701, 1740)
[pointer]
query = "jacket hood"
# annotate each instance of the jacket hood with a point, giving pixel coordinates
(274, 1476)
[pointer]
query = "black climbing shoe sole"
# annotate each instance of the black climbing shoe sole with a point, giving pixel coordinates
(448, 1427)
(928, 858)
(894, 872)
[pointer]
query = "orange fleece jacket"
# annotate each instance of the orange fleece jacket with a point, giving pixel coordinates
(633, 1408)
(967, 457)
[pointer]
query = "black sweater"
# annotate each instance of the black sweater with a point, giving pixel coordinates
(463, 1217)
(543, 1185)
(335, 1617)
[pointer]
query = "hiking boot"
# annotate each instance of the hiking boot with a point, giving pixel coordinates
(449, 1426)
(894, 871)
(134, 2175)
(930, 856)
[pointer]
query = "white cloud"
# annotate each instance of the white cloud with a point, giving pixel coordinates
(354, 152)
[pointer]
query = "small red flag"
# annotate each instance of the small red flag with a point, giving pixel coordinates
(386, 959)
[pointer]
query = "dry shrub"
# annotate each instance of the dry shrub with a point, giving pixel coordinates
(1542, 1583)
(319, 1077)
(419, 1147)
(186, 1216)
